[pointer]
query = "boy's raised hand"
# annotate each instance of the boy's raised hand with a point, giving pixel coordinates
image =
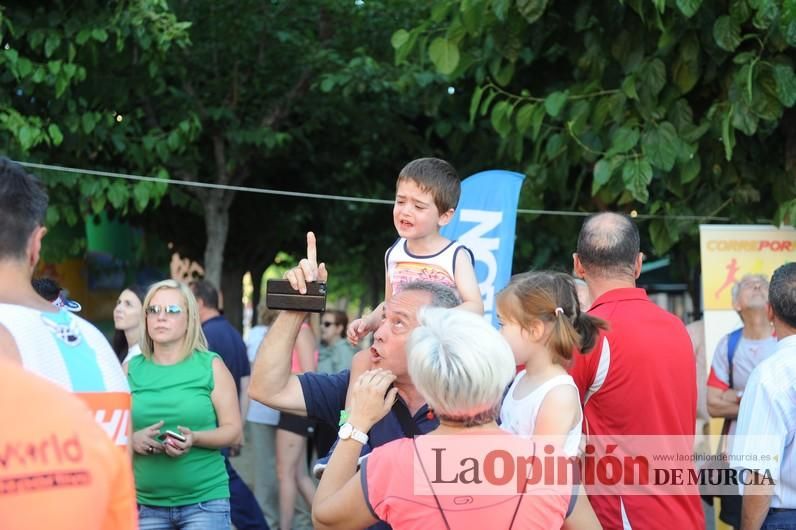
(308, 269)
(356, 331)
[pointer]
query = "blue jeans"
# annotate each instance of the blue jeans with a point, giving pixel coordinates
(208, 515)
(780, 520)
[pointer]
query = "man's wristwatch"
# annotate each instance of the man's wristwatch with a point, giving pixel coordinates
(348, 431)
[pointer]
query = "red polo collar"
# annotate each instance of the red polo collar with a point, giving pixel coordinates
(621, 295)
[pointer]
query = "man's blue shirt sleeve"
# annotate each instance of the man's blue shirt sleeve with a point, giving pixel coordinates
(324, 395)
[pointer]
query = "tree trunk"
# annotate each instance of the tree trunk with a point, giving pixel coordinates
(232, 287)
(216, 208)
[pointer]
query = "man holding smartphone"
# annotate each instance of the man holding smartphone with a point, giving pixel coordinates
(322, 396)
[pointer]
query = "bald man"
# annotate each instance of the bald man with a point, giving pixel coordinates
(641, 377)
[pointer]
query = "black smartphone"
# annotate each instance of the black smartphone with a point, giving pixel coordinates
(280, 295)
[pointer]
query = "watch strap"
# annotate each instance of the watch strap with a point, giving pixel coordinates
(359, 436)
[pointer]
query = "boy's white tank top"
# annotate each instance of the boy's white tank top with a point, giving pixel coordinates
(403, 267)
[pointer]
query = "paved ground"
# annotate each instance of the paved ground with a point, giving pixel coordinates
(243, 464)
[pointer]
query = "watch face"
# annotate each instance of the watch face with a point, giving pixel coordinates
(345, 431)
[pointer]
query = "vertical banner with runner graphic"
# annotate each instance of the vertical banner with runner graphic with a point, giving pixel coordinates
(730, 252)
(485, 222)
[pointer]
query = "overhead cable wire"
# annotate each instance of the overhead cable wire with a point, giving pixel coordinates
(345, 198)
(210, 185)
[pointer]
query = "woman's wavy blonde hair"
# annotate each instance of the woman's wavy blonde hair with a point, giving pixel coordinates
(194, 337)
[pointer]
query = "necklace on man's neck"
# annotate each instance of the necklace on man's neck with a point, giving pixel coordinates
(480, 420)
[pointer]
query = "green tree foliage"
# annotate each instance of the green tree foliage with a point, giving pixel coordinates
(292, 96)
(671, 108)
(66, 74)
(266, 82)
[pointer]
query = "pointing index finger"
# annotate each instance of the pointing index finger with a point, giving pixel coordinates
(312, 253)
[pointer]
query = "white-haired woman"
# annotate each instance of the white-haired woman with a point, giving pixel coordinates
(185, 409)
(461, 366)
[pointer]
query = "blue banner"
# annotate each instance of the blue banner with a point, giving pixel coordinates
(485, 221)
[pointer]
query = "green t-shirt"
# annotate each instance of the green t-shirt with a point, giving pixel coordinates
(335, 358)
(178, 394)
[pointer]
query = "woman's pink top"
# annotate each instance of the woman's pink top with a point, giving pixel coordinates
(295, 366)
(387, 481)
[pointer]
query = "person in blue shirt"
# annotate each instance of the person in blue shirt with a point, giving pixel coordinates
(322, 396)
(225, 340)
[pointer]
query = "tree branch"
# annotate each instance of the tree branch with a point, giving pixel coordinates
(149, 112)
(197, 193)
(219, 154)
(239, 176)
(281, 110)
(188, 87)
(234, 88)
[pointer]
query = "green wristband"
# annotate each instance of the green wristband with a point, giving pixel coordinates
(343, 418)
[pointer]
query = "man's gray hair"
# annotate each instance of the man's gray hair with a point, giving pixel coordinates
(736, 287)
(441, 295)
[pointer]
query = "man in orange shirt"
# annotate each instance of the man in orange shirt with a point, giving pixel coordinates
(58, 468)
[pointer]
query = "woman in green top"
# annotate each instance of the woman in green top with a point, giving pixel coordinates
(185, 409)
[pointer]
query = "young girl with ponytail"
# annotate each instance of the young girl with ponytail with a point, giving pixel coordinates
(540, 317)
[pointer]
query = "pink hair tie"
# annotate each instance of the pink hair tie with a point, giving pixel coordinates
(559, 311)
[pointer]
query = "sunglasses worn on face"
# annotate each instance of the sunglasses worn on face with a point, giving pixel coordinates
(327, 324)
(171, 309)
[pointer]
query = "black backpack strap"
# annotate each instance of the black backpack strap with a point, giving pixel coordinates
(404, 417)
(733, 340)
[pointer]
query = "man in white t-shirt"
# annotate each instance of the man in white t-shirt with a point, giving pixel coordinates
(736, 355)
(49, 341)
(767, 420)
(752, 344)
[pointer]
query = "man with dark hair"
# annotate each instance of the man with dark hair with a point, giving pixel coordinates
(206, 291)
(23, 205)
(224, 340)
(768, 408)
(640, 379)
(48, 340)
(222, 337)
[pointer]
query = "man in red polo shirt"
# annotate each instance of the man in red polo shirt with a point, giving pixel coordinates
(641, 377)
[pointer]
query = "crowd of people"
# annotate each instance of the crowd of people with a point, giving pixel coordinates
(140, 434)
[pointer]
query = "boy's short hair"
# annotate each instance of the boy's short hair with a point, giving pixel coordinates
(436, 177)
